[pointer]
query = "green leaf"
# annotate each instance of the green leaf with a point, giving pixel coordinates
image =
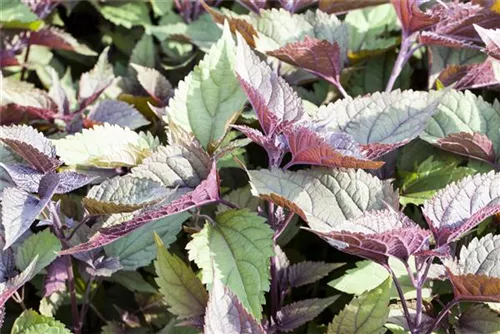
(236, 251)
(15, 10)
(203, 32)
(44, 244)
(132, 280)
(210, 97)
(144, 52)
(137, 249)
(126, 14)
(354, 280)
(478, 319)
(106, 146)
(30, 322)
(366, 314)
(464, 112)
(324, 196)
(182, 290)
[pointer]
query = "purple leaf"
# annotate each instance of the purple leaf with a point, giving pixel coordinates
(490, 37)
(474, 145)
(326, 149)
(376, 235)
(7, 265)
(58, 94)
(118, 113)
(207, 192)
(411, 17)
(308, 272)
(319, 57)
(7, 289)
(461, 206)
(225, 314)
(55, 38)
(94, 82)
(296, 314)
(273, 145)
(55, 281)
(294, 6)
(155, 84)
(472, 76)
(32, 146)
(20, 209)
(253, 5)
(343, 6)
(104, 266)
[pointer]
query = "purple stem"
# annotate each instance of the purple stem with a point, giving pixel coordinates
(419, 286)
(228, 204)
(403, 57)
(402, 298)
(341, 89)
(441, 315)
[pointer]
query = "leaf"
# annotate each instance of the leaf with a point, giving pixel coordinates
(154, 83)
(226, 314)
(209, 98)
(20, 209)
(472, 76)
(57, 274)
(106, 146)
(481, 256)
(242, 197)
(207, 192)
(31, 145)
(8, 288)
(411, 17)
(30, 322)
(144, 52)
(354, 280)
(126, 14)
(117, 113)
(310, 146)
(182, 290)
(133, 281)
(137, 249)
(175, 166)
(44, 244)
(461, 206)
(473, 145)
(464, 112)
(94, 82)
(478, 319)
(228, 252)
(307, 272)
(293, 315)
(124, 194)
(377, 235)
(342, 6)
(381, 120)
(319, 57)
(16, 10)
(323, 197)
(55, 38)
(103, 266)
(364, 314)
(490, 37)
(480, 288)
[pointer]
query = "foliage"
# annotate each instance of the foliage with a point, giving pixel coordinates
(250, 166)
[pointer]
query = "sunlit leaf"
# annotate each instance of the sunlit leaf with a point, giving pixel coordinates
(94, 82)
(30, 322)
(117, 113)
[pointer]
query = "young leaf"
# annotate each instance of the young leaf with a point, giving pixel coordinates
(117, 113)
(138, 249)
(461, 206)
(154, 83)
(308, 272)
(376, 235)
(478, 319)
(181, 289)
(30, 322)
(94, 82)
(20, 209)
(226, 314)
(323, 197)
(464, 112)
(209, 98)
(411, 17)
(57, 274)
(227, 252)
(45, 245)
(106, 146)
(124, 194)
(31, 145)
(381, 122)
(364, 314)
(8, 288)
(296, 314)
(207, 192)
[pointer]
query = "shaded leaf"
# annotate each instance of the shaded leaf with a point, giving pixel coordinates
(154, 83)
(133, 281)
(239, 259)
(226, 314)
(307, 272)
(461, 206)
(30, 322)
(144, 52)
(180, 287)
(57, 274)
(103, 266)
(43, 245)
(126, 14)
(106, 146)
(364, 314)
(473, 145)
(296, 314)
(478, 319)
(323, 197)
(55, 38)
(117, 113)
(8, 288)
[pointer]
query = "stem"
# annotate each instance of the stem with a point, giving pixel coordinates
(275, 299)
(18, 299)
(403, 57)
(86, 302)
(228, 204)
(73, 231)
(26, 56)
(341, 89)
(420, 283)
(402, 298)
(441, 315)
(288, 165)
(283, 226)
